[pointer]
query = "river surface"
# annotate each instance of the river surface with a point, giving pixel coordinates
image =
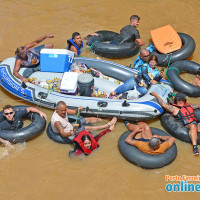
(41, 168)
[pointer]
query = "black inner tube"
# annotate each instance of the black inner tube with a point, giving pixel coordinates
(147, 161)
(27, 133)
(176, 129)
(57, 137)
(100, 47)
(178, 83)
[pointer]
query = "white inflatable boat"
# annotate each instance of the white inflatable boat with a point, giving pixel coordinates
(144, 108)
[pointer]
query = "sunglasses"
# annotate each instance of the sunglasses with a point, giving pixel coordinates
(10, 113)
(146, 56)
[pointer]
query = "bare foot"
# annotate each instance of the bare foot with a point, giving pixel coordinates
(113, 121)
(112, 127)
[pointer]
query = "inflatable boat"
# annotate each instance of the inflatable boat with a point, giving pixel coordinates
(178, 83)
(144, 108)
(24, 134)
(102, 45)
(144, 160)
(176, 129)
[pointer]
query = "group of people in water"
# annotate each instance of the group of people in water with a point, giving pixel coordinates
(140, 136)
(29, 55)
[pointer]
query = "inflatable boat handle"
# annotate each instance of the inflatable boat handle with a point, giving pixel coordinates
(125, 104)
(102, 104)
(87, 109)
(23, 85)
(42, 95)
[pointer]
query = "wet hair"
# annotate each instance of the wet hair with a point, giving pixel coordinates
(75, 34)
(7, 107)
(153, 142)
(60, 103)
(18, 50)
(180, 95)
(133, 17)
(154, 58)
(86, 137)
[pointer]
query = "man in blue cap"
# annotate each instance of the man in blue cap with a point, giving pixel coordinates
(184, 113)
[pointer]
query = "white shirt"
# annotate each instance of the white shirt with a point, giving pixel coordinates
(64, 123)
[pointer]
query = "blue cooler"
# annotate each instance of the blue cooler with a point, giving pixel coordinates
(55, 60)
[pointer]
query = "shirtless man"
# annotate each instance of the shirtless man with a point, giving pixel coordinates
(142, 138)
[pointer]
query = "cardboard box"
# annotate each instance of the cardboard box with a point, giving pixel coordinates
(55, 60)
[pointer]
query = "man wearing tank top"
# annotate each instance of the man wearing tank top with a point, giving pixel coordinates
(61, 125)
(27, 56)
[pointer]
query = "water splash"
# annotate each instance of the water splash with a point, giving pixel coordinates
(6, 151)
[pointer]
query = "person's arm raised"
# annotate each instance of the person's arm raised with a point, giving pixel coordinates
(91, 34)
(170, 108)
(37, 41)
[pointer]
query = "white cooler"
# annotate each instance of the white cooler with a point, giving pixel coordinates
(68, 84)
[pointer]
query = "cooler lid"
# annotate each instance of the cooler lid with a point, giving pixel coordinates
(85, 78)
(69, 81)
(57, 51)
